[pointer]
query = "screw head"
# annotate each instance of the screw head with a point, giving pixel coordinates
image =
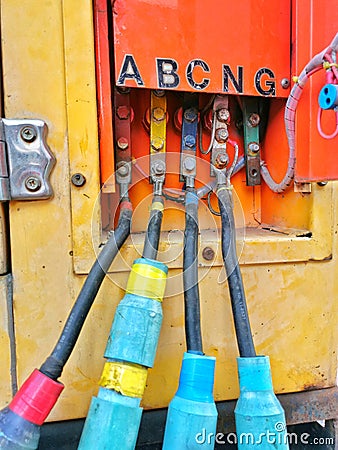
(123, 112)
(221, 135)
(157, 143)
(190, 114)
(122, 143)
(33, 184)
(158, 114)
(28, 133)
(254, 147)
(78, 179)
(285, 83)
(208, 253)
(189, 141)
(254, 119)
(223, 115)
(189, 164)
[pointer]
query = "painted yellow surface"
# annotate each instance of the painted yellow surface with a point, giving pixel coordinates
(5, 366)
(290, 280)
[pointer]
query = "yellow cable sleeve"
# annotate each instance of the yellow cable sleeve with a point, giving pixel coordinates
(147, 281)
(126, 378)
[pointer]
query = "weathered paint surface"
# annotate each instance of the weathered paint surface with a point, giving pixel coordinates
(291, 282)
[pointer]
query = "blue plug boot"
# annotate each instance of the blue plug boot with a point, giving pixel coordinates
(192, 414)
(114, 415)
(260, 419)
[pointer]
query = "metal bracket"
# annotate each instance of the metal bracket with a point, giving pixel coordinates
(158, 123)
(219, 156)
(123, 117)
(26, 161)
(251, 120)
(188, 139)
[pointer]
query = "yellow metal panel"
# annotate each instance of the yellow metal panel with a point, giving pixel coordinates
(82, 127)
(49, 74)
(5, 366)
(34, 86)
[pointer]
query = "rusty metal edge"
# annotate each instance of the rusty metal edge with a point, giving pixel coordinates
(299, 407)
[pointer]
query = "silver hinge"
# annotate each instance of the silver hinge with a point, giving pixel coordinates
(25, 160)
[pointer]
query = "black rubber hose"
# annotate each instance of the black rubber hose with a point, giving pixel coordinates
(193, 333)
(54, 364)
(152, 239)
(238, 302)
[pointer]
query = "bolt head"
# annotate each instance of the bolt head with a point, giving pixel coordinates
(122, 143)
(223, 115)
(190, 114)
(123, 170)
(33, 184)
(157, 143)
(254, 119)
(189, 164)
(208, 253)
(222, 135)
(28, 133)
(254, 147)
(285, 83)
(159, 168)
(222, 160)
(189, 141)
(78, 179)
(123, 112)
(158, 114)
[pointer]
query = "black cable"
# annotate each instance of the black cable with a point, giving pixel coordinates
(190, 275)
(177, 199)
(54, 364)
(152, 239)
(235, 282)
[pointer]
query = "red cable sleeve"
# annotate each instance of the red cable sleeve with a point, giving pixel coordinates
(36, 398)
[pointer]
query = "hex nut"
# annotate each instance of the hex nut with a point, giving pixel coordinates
(123, 112)
(158, 114)
(122, 143)
(189, 141)
(254, 120)
(208, 253)
(190, 115)
(157, 143)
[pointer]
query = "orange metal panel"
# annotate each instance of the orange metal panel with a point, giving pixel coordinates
(314, 27)
(104, 95)
(193, 45)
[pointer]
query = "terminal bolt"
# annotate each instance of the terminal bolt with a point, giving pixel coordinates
(158, 168)
(123, 170)
(122, 143)
(253, 147)
(189, 141)
(158, 114)
(189, 164)
(157, 143)
(221, 135)
(190, 115)
(254, 120)
(123, 112)
(223, 115)
(221, 161)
